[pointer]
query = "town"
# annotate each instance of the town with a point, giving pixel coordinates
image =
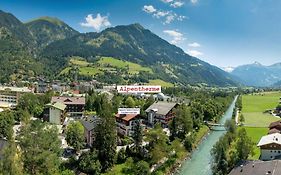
(85, 117)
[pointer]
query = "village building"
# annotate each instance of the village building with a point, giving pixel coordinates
(9, 96)
(74, 105)
(270, 146)
(161, 112)
(126, 123)
(258, 167)
(57, 112)
(89, 123)
(275, 127)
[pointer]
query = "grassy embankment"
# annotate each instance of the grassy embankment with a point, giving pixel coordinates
(256, 121)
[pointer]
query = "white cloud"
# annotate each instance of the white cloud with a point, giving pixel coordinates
(170, 18)
(177, 4)
(96, 23)
(166, 16)
(194, 44)
(193, 1)
(181, 18)
(149, 9)
(160, 14)
(177, 36)
(194, 53)
(167, 1)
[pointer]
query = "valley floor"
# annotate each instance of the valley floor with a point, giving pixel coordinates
(256, 121)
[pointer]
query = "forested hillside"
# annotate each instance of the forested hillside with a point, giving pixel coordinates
(46, 45)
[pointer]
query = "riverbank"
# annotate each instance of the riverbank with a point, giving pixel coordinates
(200, 160)
(200, 136)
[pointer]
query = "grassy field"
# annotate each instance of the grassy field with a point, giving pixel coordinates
(104, 64)
(255, 105)
(161, 83)
(256, 134)
(133, 67)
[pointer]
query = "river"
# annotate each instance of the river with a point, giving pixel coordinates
(200, 160)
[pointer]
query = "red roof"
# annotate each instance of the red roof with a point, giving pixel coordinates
(126, 117)
(70, 100)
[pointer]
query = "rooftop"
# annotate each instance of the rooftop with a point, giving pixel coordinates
(15, 89)
(90, 122)
(162, 107)
(126, 117)
(258, 168)
(274, 124)
(271, 138)
(57, 105)
(69, 100)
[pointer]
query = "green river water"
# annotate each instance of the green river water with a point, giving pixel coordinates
(200, 160)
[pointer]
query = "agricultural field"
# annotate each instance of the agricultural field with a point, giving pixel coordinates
(256, 121)
(254, 106)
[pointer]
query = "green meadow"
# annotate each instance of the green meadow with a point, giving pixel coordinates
(256, 121)
(161, 83)
(102, 65)
(255, 105)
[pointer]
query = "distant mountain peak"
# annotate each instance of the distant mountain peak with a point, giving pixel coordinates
(257, 63)
(52, 20)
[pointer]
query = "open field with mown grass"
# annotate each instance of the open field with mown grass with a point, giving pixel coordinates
(255, 105)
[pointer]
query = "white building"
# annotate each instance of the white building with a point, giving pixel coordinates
(270, 146)
(9, 96)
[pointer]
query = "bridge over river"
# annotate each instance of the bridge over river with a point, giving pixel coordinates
(200, 161)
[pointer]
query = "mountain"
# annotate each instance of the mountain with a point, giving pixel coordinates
(11, 26)
(46, 30)
(257, 74)
(47, 45)
(16, 50)
(136, 44)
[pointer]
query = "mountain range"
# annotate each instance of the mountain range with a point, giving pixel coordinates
(45, 46)
(257, 74)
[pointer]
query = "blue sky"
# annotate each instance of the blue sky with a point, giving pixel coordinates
(221, 32)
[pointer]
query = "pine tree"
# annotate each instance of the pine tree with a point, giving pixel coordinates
(138, 136)
(106, 135)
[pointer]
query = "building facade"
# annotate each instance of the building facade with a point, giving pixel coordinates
(56, 113)
(9, 96)
(126, 123)
(74, 105)
(160, 112)
(270, 146)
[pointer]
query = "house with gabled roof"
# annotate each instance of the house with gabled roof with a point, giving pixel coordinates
(126, 123)
(74, 105)
(161, 112)
(89, 123)
(270, 146)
